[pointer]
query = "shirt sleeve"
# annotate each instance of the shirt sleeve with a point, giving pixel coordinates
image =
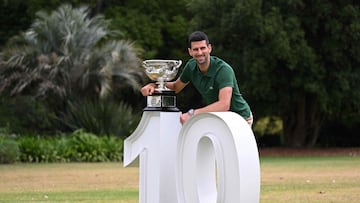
(185, 74)
(225, 77)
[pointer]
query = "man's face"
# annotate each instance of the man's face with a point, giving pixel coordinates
(200, 51)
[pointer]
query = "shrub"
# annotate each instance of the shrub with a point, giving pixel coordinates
(36, 149)
(113, 148)
(101, 117)
(9, 150)
(86, 147)
(268, 131)
(79, 146)
(23, 115)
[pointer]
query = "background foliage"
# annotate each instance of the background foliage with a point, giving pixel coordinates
(9, 150)
(103, 118)
(296, 61)
(72, 73)
(79, 146)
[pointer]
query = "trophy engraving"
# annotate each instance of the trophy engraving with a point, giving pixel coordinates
(161, 71)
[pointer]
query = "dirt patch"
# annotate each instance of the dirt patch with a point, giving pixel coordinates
(309, 152)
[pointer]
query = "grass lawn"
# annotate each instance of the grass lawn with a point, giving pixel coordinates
(310, 179)
(283, 179)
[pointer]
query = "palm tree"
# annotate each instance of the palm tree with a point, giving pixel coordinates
(67, 54)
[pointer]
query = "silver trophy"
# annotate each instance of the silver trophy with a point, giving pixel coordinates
(161, 71)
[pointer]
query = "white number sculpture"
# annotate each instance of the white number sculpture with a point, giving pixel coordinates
(224, 138)
(213, 158)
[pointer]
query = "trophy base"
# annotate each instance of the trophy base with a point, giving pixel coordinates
(162, 101)
(165, 109)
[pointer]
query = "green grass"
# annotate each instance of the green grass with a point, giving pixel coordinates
(283, 179)
(126, 196)
(310, 179)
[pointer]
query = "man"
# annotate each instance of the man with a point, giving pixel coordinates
(212, 77)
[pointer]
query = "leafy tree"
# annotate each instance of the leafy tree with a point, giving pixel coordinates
(9, 11)
(155, 25)
(295, 59)
(17, 15)
(66, 54)
(67, 57)
(102, 118)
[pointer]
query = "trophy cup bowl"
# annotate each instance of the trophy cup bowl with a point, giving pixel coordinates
(161, 71)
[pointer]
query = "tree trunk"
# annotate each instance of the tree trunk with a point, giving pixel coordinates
(302, 122)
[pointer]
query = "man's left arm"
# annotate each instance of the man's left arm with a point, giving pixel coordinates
(223, 104)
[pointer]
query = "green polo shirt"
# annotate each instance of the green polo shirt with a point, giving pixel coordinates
(219, 75)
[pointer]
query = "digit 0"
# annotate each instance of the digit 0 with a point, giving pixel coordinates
(217, 160)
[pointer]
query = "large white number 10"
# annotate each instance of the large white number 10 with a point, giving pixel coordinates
(213, 158)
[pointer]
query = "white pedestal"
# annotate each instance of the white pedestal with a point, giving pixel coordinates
(155, 141)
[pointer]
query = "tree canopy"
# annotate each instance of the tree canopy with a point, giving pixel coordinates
(296, 59)
(65, 54)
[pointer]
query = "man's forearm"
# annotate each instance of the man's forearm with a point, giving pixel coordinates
(214, 107)
(177, 85)
(170, 85)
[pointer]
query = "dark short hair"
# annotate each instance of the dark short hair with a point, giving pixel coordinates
(197, 36)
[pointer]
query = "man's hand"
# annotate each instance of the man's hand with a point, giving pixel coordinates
(184, 117)
(148, 89)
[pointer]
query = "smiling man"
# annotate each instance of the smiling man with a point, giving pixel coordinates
(212, 77)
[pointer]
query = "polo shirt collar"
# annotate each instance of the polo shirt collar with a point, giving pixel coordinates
(211, 70)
